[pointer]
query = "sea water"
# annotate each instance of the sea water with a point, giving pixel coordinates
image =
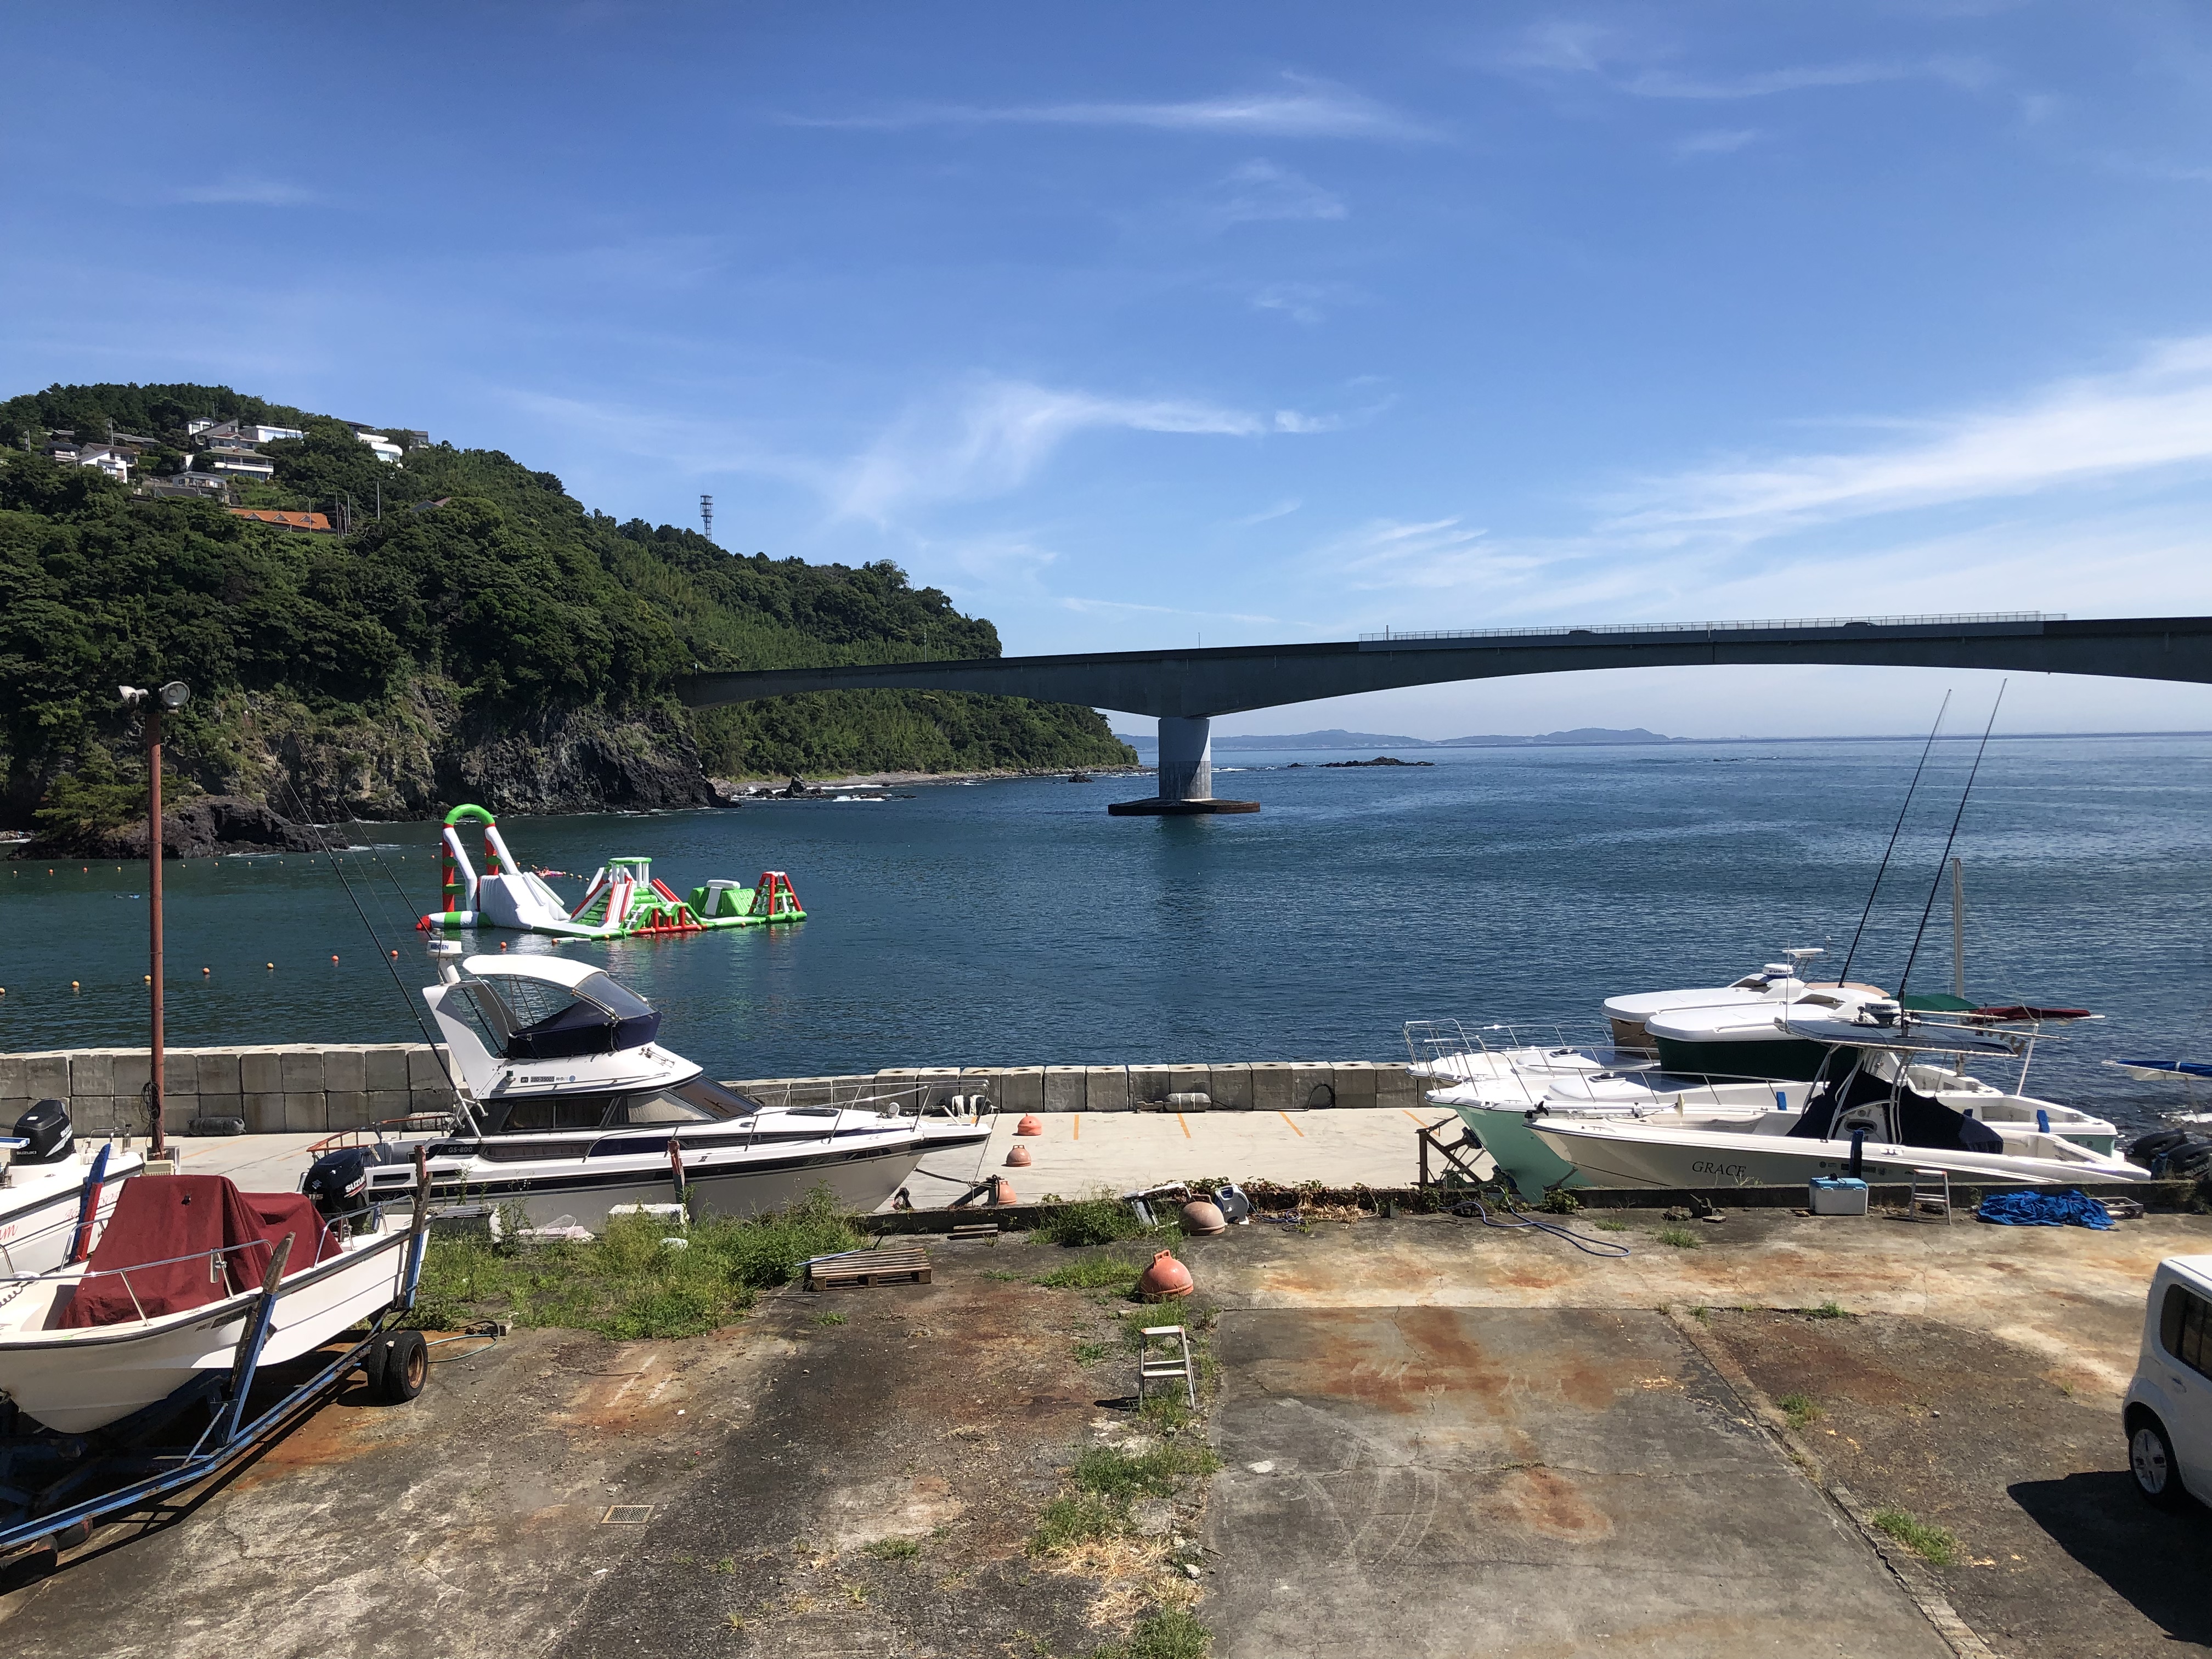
(1013, 923)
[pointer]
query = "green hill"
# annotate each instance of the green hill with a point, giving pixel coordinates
(479, 635)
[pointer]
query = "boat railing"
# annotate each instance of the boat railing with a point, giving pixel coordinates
(219, 1270)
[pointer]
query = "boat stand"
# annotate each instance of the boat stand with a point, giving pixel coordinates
(55, 1488)
(1459, 1162)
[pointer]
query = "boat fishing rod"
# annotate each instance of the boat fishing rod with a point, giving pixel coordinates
(1844, 977)
(1928, 909)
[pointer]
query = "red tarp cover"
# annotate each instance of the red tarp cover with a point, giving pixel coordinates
(159, 1217)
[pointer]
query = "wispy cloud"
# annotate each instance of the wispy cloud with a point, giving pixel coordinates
(1626, 64)
(243, 190)
(1302, 303)
(2156, 414)
(1127, 606)
(1261, 191)
(1717, 142)
(999, 433)
(1303, 108)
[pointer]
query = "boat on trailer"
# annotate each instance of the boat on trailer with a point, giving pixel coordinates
(570, 1107)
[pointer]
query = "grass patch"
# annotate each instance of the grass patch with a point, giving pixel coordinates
(829, 1319)
(626, 1284)
(1089, 1353)
(1680, 1238)
(1078, 1518)
(1928, 1543)
(1168, 1413)
(1099, 1220)
(1560, 1201)
(1170, 1635)
(1613, 1226)
(894, 1549)
(1093, 1273)
(1702, 1313)
(1829, 1310)
(1800, 1409)
(1121, 1476)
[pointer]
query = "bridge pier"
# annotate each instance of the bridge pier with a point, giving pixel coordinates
(1186, 772)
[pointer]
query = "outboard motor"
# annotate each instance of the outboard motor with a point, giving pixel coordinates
(2173, 1152)
(339, 1182)
(46, 1134)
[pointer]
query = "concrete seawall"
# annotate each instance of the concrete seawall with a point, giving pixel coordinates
(294, 1089)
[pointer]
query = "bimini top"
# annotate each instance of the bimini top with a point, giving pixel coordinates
(545, 1008)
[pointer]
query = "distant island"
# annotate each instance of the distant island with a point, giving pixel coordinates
(1340, 740)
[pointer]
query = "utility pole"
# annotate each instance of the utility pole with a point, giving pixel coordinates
(175, 695)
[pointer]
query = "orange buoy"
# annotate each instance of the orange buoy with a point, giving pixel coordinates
(1019, 1157)
(1165, 1278)
(207, 970)
(1031, 1124)
(72, 985)
(1002, 1190)
(269, 965)
(395, 953)
(334, 956)
(1203, 1218)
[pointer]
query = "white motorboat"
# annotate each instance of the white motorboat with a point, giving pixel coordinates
(162, 1300)
(1778, 982)
(1892, 1100)
(44, 1184)
(570, 1107)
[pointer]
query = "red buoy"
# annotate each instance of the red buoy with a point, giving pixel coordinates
(1165, 1279)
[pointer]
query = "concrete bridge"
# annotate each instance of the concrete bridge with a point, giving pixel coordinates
(1185, 689)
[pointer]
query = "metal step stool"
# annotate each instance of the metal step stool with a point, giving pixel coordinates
(1932, 1194)
(1158, 1365)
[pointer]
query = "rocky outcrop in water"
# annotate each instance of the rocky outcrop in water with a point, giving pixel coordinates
(200, 829)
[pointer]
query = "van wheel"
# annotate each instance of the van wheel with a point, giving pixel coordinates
(398, 1367)
(2150, 1460)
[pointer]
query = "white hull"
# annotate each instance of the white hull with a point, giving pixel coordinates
(1646, 1155)
(38, 1210)
(74, 1381)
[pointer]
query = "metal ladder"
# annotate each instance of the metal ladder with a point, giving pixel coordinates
(1932, 1194)
(1158, 1365)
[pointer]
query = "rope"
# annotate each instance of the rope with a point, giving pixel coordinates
(1846, 975)
(1598, 1246)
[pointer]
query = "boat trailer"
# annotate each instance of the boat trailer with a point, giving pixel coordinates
(55, 1488)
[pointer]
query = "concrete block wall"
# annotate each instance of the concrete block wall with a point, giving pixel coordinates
(1259, 1085)
(276, 1089)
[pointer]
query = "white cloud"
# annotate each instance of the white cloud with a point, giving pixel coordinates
(1304, 108)
(1717, 142)
(2155, 414)
(1626, 66)
(996, 436)
(1302, 303)
(1261, 191)
(242, 190)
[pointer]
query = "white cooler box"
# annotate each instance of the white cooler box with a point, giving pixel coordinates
(1836, 1195)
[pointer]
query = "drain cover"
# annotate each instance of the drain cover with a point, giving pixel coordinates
(626, 1515)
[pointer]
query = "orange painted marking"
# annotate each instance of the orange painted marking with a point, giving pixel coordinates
(1416, 1120)
(1077, 1135)
(1186, 1127)
(1295, 1130)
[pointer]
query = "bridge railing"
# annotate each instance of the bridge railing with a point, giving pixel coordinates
(1958, 619)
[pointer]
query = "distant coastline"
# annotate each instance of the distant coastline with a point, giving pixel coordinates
(1598, 737)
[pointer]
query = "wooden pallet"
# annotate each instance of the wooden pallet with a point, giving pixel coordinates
(902, 1262)
(980, 1230)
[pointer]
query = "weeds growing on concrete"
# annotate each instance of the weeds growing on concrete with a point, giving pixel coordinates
(1613, 1226)
(1122, 1475)
(1560, 1201)
(1929, 1541)
(829, 1319)
(894, 1549)
(1089, 1353)
(1101, 1219)
(1800, 1409)
(1078, 1518)
(1173, 1634)
(1829, 1310)
(627, 1283)
(1093, 1273)
(1680, 1238)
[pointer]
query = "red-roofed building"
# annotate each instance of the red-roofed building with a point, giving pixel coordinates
(310, 521)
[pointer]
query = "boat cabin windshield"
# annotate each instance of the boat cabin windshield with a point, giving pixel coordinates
(536, 1019)
(695, 1102)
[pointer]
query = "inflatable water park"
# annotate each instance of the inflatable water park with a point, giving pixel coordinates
(623, 899)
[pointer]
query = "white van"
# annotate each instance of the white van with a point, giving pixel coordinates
(2168, 1415)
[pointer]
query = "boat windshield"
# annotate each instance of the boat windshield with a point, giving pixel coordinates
(695, 1102)
(536, 1019)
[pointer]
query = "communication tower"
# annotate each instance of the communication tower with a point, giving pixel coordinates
(706, 516)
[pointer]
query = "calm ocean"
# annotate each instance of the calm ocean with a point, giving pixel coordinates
(1013, 923)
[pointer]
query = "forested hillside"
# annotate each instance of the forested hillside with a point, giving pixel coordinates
(485, 638)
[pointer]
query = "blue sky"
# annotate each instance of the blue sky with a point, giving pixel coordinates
(1148, 325)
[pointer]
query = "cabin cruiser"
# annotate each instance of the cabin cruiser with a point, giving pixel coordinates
(1890, 1099)
(47, 1183)
(569, 1106)
(1778, 982)
(159, 1296)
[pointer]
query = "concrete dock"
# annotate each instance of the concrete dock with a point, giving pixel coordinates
(1437, 1439)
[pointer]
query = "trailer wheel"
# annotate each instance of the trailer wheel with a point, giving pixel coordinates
(398, 1365)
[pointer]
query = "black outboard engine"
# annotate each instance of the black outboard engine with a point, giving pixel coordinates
(46, 1130)
(339, 1182)
(2173, 1152)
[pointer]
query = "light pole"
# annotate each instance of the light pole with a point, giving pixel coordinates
(175, 695)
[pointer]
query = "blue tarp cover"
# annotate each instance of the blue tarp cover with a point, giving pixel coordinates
(2068, 1207)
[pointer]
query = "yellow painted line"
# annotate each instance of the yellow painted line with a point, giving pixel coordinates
(1186, 1127)
(1295, 1130)
(1416, 1120)
(1077, 1135)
